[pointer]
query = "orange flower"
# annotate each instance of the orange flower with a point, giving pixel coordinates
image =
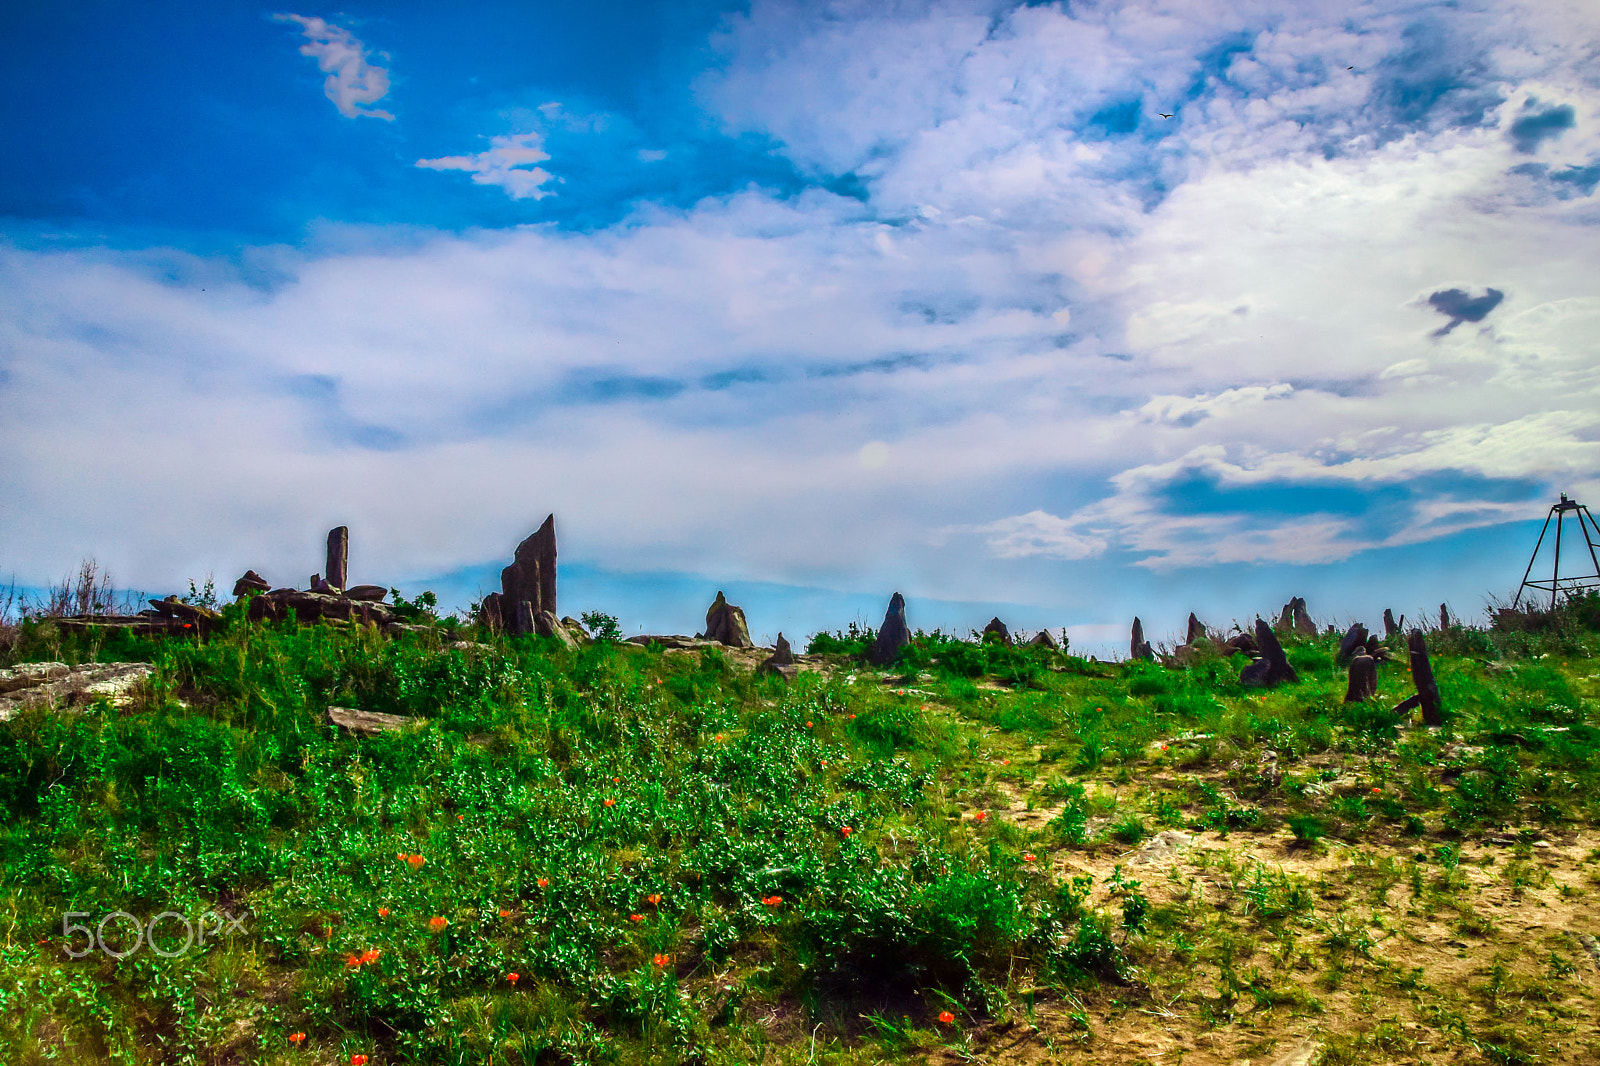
(772, 901)
(371, 954)
(616, 780)
(383, 912)
(358, 1060)
(437, 923)
(295, 1038)
(662, 960)
(504, 913)
(415, 861)
(353, 961)
(845, 831)
(1027, 856)
(610, 802)
(946, 1018)
(980, 816)
(459, 817)
(512, 977)
(544, 882)
(400, 855)
(808, 725)
(852, 716)
(653, 898)
(1376, 791)
(719, 736)
(635, 917)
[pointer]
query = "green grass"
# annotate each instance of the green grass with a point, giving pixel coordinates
(666, 849)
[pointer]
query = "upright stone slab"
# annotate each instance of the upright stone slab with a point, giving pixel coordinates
(892, 635)
(1363, 679)
(1391, 628)
(996, 630)
(338, 568)
(1138, 647)
(1422, 675)
(531, 576)
(1355, 639)
(1444, 617)
(1273, 667)
(1196, 632)
(726, 625)
(527, 618)
(490, 614)
(780, 662)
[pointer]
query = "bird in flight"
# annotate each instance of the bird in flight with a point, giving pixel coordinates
(1349, 68)
(1163, 116)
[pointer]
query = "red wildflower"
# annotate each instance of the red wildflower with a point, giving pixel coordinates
(437, 923)
(1027, 856)
(371, 955)
(610, 802)
(772, 901)
(808, 725)
(662, 960)
(616, 780)
(512, 977)
(845, 831)
(383, 912)
(295, 1038)
(415, 861)
(945, 1017)
(544, 882)
(653, 898)
(358, 1060)
(635, 917)
(980, 816)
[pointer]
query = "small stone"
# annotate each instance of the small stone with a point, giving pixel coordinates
(366, 723)
(371, 593)
(996, 631)
(250, 582)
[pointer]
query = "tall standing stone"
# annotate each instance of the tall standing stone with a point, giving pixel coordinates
(531, 577)
(1303, 625)
(726, 625)
(490, 615)
(1196, 631)
(1422, 675)
(338, 568)
(892, 635)
(1444, 617)
(1391, 628)
(1363, 679)
(1138, 647)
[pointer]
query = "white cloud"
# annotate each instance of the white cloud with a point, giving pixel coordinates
(351, 81)
(509, 163)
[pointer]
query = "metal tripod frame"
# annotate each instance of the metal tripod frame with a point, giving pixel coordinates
(1557, 583)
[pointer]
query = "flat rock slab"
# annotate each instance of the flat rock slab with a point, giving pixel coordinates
(1301, 1054)
(1161, 847)
(367, 723)
(48, 683)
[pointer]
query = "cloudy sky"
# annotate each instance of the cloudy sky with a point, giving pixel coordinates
(1065, 312)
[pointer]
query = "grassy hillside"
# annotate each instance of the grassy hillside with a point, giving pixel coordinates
(620, 854)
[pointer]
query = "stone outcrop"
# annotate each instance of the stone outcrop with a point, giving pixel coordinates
(892, 635)
(338, 568)
(531, 579)
(780, 662)
(1363, 679)
(50, 683)
(1355, 640)
(1043, 639)
(1444, 617)
(250, 582)
(1241, 642)
(284, 604)
(996, 630)
(1303, 625)
(489, 615)
(1196, 631)
(725, 624)
(371, 593)
(1138, 647)
(1272, 668)
(1391, 628)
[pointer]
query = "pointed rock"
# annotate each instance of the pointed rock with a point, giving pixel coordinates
(1138, 647)
(1273, 667)
(1391, 628)
(725, 624)
(1444, 617)
(996, 630)
(489, 615)
(532, 575)
(1422, 675)
(1363, 679)
(338, 557)
(1196, 632)
(1303, 625)
(780, 662)
(892, 635)
(1355, 640)
(1043, 639)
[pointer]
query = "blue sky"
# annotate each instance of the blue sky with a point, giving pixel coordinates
(1062, 312)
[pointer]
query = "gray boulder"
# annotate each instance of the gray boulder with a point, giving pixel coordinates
(1138, 647)
(1355, 640)
(250, 582)
(780, 662)
(725, 624)
(1043, 639)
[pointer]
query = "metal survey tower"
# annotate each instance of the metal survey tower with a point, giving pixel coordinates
(1558, 584)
